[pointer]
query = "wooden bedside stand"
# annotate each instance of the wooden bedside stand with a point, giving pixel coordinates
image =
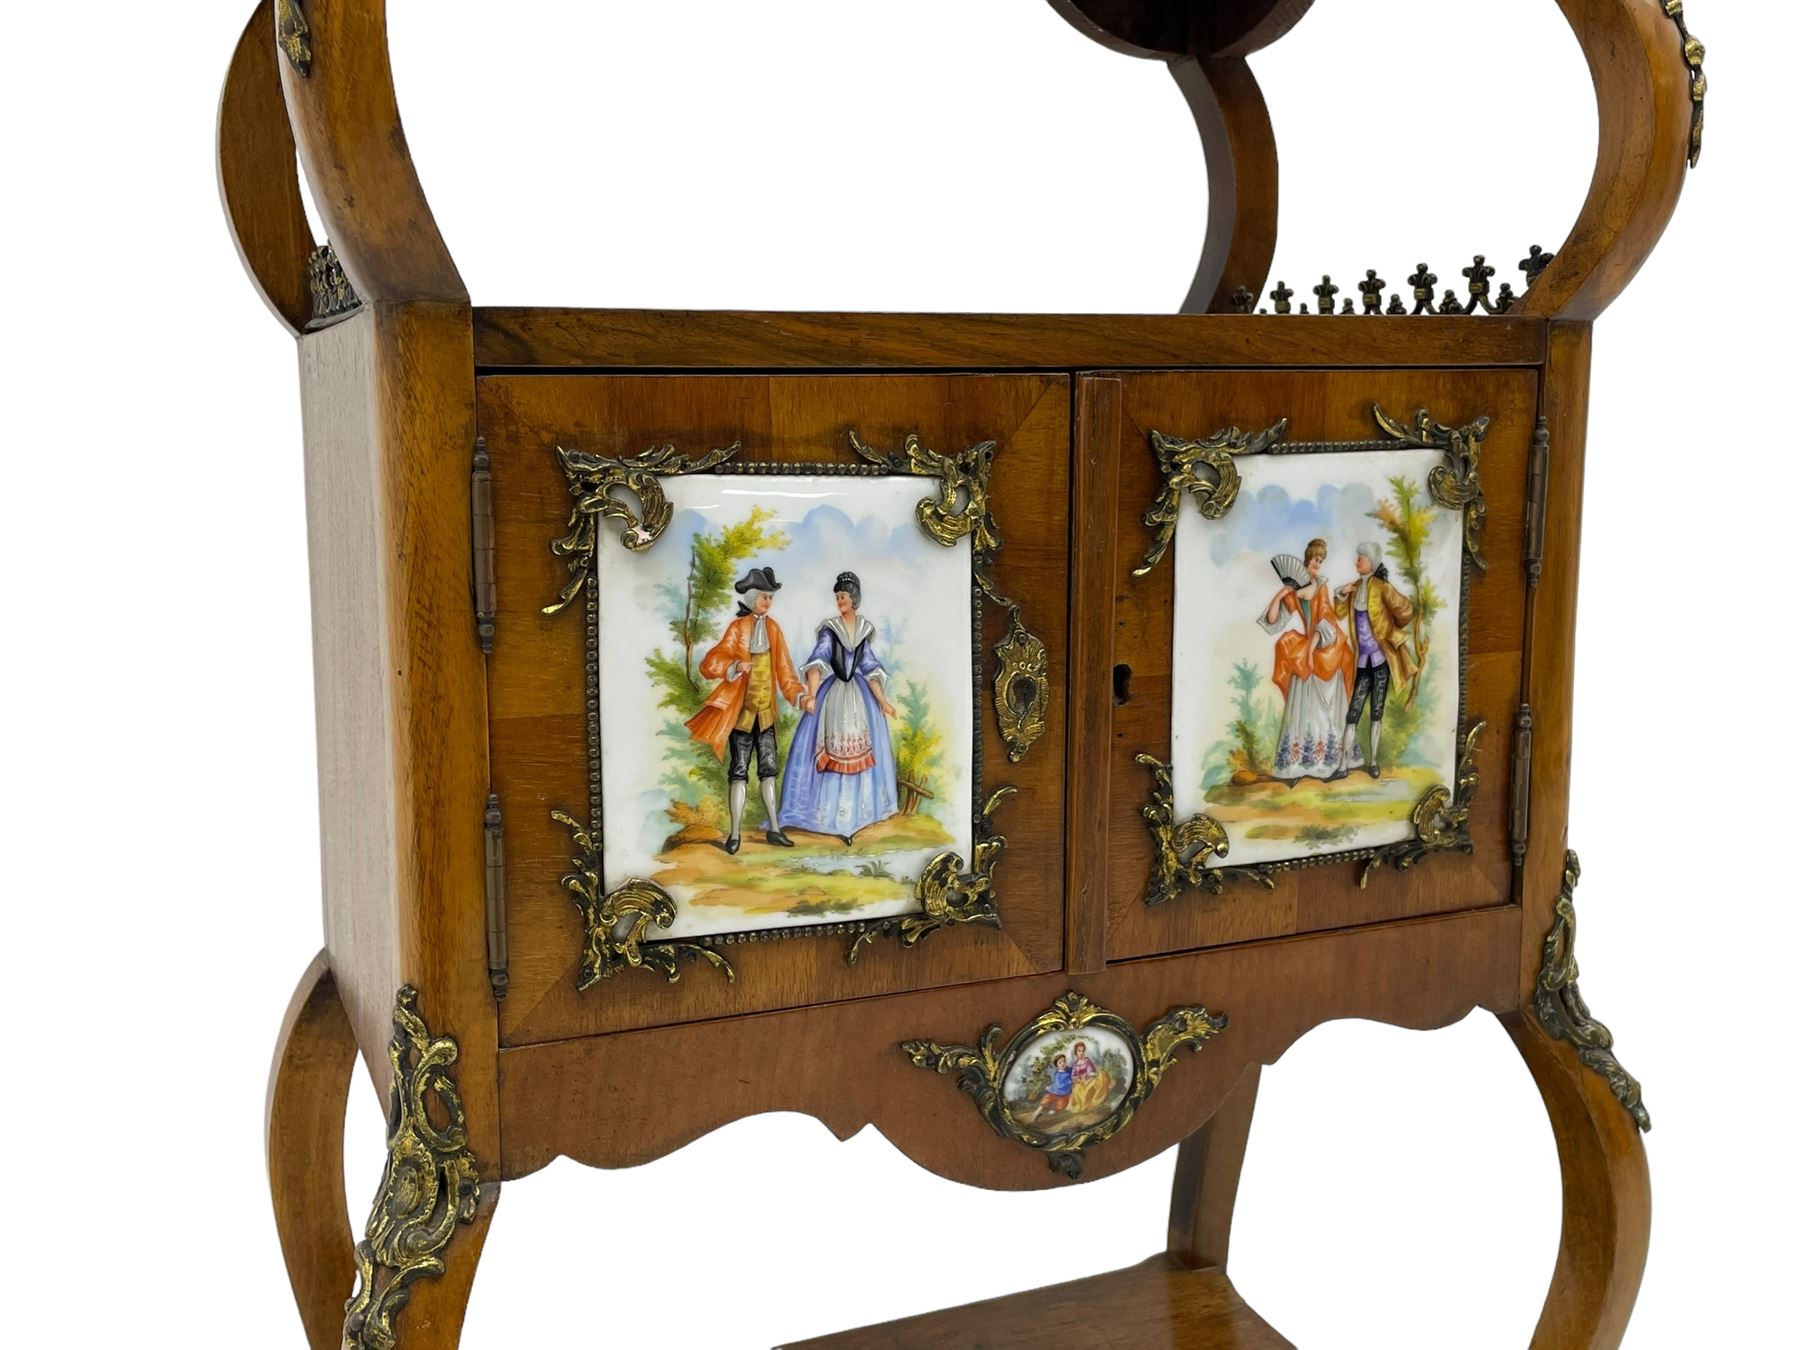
(1134, 694)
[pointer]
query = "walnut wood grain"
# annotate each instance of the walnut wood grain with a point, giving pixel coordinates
(433, 1318)
(1320, 406)
(303, 1135)
(538, 724)
(1242, 180)
(625, 1099)
(1159, 1305)
(1640, 75)
(696, 340)
(1605, 1202)
(1552, 672)
(1207, 1169)
(259, 184)
(631, 1072)
(387, 398)
(346, 125)
(1091, 689)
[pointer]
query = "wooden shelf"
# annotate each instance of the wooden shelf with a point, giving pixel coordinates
(1154, 1306)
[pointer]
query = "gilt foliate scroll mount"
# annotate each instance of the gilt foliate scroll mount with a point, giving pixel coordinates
(961, 510)
(1564, 1013)
(618, 922)
(947, 894)
(429, 1189)
(1206, 470)
(1184, 852)
(1440, 820)
(595, 482)
(1071, 1078)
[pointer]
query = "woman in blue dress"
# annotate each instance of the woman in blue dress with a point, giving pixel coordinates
(840, 769)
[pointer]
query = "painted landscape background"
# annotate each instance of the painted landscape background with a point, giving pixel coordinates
(664, 793)
(1025, 1082)
(1227, 707)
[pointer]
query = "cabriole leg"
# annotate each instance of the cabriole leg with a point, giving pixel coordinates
(309, 1086)
(1606, 1196)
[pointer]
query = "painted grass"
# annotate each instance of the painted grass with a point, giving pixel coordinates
(1314, 812)
(805, 881)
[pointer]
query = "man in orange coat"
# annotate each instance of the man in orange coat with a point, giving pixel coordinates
(752, 665)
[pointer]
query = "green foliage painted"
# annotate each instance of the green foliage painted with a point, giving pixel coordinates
(698, 611)
(1408, 519)
(714, 563)
(918, 744)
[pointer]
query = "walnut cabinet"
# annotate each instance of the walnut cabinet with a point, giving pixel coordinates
(1070, 710)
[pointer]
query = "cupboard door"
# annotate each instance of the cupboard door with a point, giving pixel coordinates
(776, 688)
(1320, 602)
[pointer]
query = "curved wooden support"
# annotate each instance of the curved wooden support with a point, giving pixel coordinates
(259, 180)
(1205, 46)
(309, 1086)
(1640, 72)
(1242, 180)
(346, 123)
(433, 1317)
(1207, 1169)
(1606, 1197)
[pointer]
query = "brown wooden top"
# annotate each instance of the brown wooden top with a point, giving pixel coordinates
(658, 339)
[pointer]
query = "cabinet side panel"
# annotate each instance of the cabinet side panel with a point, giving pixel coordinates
(350, 660)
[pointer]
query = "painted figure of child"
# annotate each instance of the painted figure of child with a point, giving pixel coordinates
(1091, 1083)
(1058, 1090)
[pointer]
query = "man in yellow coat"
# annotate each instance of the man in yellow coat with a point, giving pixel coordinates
(1376, 614)
(752, 664)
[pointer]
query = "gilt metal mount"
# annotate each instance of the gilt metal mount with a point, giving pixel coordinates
(1184, 852)
(946, 893)
(430, 1186)
(1564, 1014)
(617, 922)
(960, 510)
(1018, 1093)
(1440, 821)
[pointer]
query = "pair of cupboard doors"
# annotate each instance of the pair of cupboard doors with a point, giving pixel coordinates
(1074, 466)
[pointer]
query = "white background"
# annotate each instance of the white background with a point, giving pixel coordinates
(159, 809)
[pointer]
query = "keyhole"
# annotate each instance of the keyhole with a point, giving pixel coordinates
(1121, 685)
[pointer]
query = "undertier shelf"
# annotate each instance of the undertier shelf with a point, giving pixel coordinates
(1154, 1306)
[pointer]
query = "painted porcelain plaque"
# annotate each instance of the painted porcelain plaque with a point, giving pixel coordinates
(786, 691)
(1317, 653)
(1064, 1082)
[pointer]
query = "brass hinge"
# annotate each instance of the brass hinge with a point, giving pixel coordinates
(1537, 491)
(481, 533)
(1521, 783)
(496, 895)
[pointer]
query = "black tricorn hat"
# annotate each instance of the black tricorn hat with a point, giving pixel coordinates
(758, 579)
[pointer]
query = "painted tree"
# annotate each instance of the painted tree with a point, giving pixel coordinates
(1249, 757)
(918, 746)
(715, 561)
(698, 608)
(1407, 518)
